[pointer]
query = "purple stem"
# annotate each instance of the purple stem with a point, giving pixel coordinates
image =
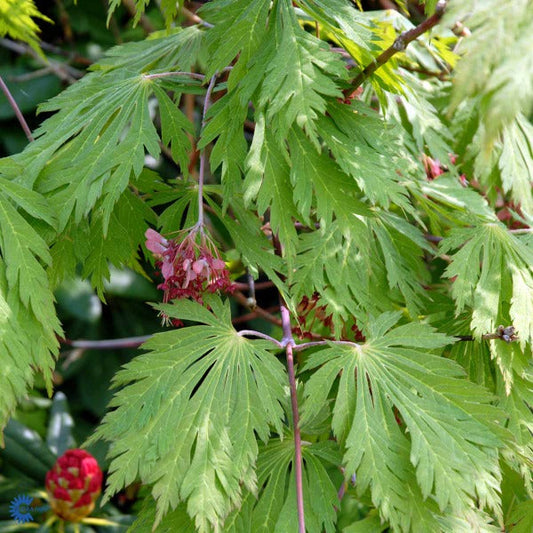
(16, 109)
(289, 344)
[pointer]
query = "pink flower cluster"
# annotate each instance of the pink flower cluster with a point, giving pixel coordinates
(188, 269)
(435, 168)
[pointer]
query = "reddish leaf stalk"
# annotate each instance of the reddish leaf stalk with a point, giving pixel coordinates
(289, 343)
(399, 45)
(253, 333)
(16, 109)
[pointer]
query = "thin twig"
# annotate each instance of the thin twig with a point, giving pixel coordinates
(399, 45)
(257, 286)
(259, 311)
(289, 344)
(195, 18)
(203, 154)
(61, 70)
(388, 4)
(432, 238)
(485, 337)
(108, 344)
(70, 55)
(252, 315)
(16, 109)
(30, 75)
(251, 290)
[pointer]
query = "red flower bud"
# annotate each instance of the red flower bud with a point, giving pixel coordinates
(73, 485)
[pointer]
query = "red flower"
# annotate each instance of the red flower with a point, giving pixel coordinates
(73, 485)
(188, 269)
(432, 166)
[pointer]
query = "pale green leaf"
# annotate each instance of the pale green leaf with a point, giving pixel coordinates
(317, 180)
(174, 129)
(298, 94)
(239, 27)
(450, 423)
(516, 162)
(500, 53)
(492, 269)
(365, 147)
(90, 148)
(169, 8)
(218, 391)
(274, 508)
(178, 51)
(267, 181)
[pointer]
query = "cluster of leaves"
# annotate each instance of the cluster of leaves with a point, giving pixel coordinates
(328, 197)
(17, 21)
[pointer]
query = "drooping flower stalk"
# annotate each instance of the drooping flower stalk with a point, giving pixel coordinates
(203, 155)
(189, 269)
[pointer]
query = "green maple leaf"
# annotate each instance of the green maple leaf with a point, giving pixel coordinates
(217, 391)
(90, 148)
(274, 508)
(17, 21)
(267, 181)
(298, 94)
(448, 436)
(239, 27)
(177, 51)
(169, 8)
(28, 322)
(493, 274)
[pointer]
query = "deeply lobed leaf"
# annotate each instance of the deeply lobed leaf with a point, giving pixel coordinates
(217, 390)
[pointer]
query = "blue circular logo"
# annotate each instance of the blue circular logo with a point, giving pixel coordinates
(20, 508)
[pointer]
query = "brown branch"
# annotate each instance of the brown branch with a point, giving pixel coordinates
(388, 4)
(258, 286)
(16, 109)
(72, 56)
(240, 298)
(63, 71)
(250, 316)
(64, 20)
(194, 18)
(399, 45)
